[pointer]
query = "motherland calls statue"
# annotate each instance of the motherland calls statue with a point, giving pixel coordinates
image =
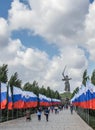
(66, 80)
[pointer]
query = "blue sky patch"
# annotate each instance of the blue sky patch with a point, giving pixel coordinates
(35, 42)
(4, 7)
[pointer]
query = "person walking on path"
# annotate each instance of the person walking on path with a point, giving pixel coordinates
(28, 115)
(39, 114)
(56, 109)
(52, 108)
(46, 113)
(71, 108)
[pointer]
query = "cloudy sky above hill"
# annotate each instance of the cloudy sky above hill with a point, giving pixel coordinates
(39, 37)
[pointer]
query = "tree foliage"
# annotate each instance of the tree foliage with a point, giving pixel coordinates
(27, 86)
(93, 77)
(34, 87)
(4, 73)
(15, 81)
(75, 91)
(42, 90)
(85, 77)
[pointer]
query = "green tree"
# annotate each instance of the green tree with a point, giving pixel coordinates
(74, 92)
(48, 93)
(85, 77)
(35, 88)
(4, 73)
(42, 90)
(27, 87)
(14, 81)
(93, 77)
(32, 87)
(52, 94)
(57, 95)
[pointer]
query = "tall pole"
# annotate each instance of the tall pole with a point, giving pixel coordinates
(0, 104)
(88, 116)
(13, 104)
(38, 101)
(7, 102)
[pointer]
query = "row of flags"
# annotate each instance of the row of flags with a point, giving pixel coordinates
(85, 98)
(45, 101)
(22, 99)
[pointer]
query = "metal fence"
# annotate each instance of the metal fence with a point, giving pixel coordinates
(87, 115)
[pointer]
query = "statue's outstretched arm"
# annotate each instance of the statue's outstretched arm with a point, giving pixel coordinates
(69, 78)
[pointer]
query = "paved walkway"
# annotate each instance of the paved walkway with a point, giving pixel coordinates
(62, 121)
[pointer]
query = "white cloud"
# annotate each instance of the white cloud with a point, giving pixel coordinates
(90, 31)
(33, 64)
(20, 17)
(90, 20)
(4, 32)
(91, 49)
(58, 21)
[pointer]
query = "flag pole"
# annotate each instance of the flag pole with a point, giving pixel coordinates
(7, 102)
(12, 104)
(0, 105)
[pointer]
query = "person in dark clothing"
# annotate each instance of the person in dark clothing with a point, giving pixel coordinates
(28, 115)
(39, 114)
(46, 113)
(71, 108)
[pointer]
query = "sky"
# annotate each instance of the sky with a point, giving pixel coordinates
(38, 38)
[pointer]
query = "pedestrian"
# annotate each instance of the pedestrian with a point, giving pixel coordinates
(28, 115)
(56, 109)
(52, 108)
(71, 108)
(46, 113)
(39, 114)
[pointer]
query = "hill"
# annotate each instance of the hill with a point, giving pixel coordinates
(66, 95)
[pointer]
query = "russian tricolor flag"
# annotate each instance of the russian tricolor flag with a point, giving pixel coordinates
(17, 98)
(29, 99)
(82, 97)
(44, 101)
(90, 94)
(94, 97)
(9, 99)
(85, 98)
(3, 96)
(55, 101)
